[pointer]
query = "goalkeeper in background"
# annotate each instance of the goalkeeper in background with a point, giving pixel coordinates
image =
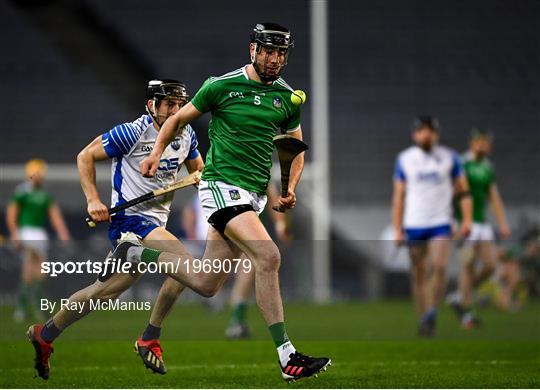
(26, 217)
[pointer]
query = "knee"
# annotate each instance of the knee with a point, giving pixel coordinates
(172, 288)
(208, 291)
(269, 260)
(439, 269)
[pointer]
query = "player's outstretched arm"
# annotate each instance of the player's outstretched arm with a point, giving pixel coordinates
(166, 134)
(297, 168)
(498, 209)
(87, 173)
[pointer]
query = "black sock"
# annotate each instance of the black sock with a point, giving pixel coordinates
(151, 332)
(50, 331)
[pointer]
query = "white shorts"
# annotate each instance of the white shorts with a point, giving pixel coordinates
(34, 238)
(481, 232)
(216, 195)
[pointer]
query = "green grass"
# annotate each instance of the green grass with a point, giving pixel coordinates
(372, 345)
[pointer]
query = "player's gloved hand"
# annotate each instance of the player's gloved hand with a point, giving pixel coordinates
(149, 166)
(98, 211)
(289, 201)
(505, 231)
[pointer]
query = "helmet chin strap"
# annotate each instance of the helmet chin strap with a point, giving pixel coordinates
(154, 116)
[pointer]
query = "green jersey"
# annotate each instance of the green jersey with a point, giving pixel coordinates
(245, 117)
(481, 176)
(33, 205)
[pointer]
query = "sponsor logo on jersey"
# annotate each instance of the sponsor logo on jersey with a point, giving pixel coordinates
(276, 102)
(429, 176)
(234, 194)
(234, 94)
(167, 164)
(146, 148)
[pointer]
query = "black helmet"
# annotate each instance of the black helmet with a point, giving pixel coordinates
(161, 89)
(426, 121)
(157, 90)
(274, 36)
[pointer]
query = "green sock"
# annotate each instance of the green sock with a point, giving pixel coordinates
(150, 255)
(24, 298)
(37, 293)
(238, 314)
(279, 335)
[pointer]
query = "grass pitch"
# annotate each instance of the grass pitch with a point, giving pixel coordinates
(371, 345)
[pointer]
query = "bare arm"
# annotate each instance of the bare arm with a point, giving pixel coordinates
(166, 134)
(197, 164)
(86, 159)
(498, 209)
(298, 163)
(58, 223)
(398, 205)
(189, 222)
(297, 167)
(279, 219)
(461, 188)
(12, 215)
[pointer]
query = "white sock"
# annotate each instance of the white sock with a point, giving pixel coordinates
(284, 350)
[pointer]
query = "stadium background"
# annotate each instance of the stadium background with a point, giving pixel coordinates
(73, 69)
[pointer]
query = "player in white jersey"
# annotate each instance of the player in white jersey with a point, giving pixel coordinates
(426, 177)
(127, 144)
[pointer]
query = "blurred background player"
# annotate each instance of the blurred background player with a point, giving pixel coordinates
(425, 178)
(127, 144)
(27, 214)
(248, 106)
(518, 276)
(480, 245)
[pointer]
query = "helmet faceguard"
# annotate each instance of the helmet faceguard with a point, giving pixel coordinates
(270, 36)
(158, 90)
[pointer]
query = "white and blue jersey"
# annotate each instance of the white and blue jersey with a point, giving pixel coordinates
(128, 144)
(429, 178)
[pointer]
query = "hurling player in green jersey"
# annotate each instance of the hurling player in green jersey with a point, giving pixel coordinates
(480, 244)
(26, 217)
(248, 106)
